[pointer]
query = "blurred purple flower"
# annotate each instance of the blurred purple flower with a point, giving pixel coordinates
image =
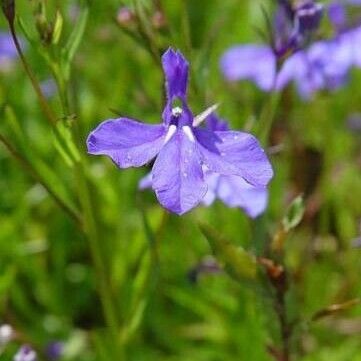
(308, 15)
(54, 350)
(7, 49)
(250, 62)
(339, 11)
(25, 353)
(354, 122)
(323, 65)
(234, 191)
(292, 25)
(181, 148)
(48, 87)
(206, 267)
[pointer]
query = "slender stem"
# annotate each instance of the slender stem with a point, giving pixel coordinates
(91, 231)
(267, 117)
(42, 100)
(146, 32)
(186, 29)
(36, 176)
(269, 111)
(281, 311)
(91, 225)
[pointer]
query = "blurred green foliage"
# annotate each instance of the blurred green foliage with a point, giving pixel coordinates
(48, 281)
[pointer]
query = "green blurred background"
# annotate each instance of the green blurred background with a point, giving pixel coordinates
(48, 281)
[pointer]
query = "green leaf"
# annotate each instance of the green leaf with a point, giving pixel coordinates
(294, 214)
(58, 27)
(64, 143)
(73, 42)
(240, 264)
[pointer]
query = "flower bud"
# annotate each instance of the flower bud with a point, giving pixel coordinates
(125, 16)
(158, 20)
(308, 16)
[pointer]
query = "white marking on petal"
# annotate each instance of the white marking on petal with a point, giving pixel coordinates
(177, 111)
(201, 117)
(171, 130)
(188, 132)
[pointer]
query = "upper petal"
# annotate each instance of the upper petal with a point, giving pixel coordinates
(235, 192)
(212, 180)
(128, 142)
(235, 153)
(253, 62)
(177, 175)
(175, 68)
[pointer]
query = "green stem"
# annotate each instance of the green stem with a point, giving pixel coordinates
(91, 231)
(267, 117)
(186, 29)
(42, 100)
(91, 226)
(146, 32)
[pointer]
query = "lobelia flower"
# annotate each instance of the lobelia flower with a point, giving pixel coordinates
(347, 29)
(54, 350)
(25, 353)
(323, 65)
(232, 190)
(182, 149)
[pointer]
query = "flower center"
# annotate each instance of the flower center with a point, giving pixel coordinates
(177, 111)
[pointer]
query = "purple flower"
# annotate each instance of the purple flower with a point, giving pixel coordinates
(54, 350)
(308, 16)
(250, 62)
(25, 353)
(182, 149)
(7, 49)
(234, 191)
(338, 12)
(323, 65)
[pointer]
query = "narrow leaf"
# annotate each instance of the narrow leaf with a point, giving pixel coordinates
(294, 214)
(240, 264)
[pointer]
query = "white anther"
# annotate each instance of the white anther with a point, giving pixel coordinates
(171, 130)
(201, 117)
(177, 111)
(188, 132)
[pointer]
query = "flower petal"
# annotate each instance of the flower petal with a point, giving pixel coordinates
(128, 142)
(177, 175)
(235, 192)
(7, 47)
(252, 62)
(145, 182)
(175, 68)
(235, 153)
(212, 180)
